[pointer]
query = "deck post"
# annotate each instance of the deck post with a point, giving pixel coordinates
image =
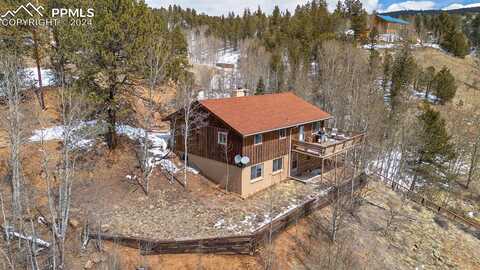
(335, 175)
(323, 168)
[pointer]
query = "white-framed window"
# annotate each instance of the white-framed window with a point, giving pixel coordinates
(277, 164)
(257, 139)
(222, 138)
(282, 133)
(316, 126)
(256, 172)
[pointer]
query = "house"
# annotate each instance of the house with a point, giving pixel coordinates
(390, 28)
(253, 142)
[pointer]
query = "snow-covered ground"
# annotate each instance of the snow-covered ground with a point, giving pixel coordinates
(398, 45)
(158, 145)
(389, 166)
(57, 133)
(252, 222)
(430, 97)
(228, 56)
(47, 76)
(158, 141)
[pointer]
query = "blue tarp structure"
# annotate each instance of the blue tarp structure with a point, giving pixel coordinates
(392, 19)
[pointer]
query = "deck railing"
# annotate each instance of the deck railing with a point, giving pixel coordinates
(311, 148)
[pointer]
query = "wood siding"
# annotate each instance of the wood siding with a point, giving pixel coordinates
(203, 142)
(272, 146)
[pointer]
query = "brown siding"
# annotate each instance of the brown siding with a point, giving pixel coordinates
(272, 147)
(203, 142)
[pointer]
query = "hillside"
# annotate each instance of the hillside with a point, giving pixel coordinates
(466, 72)
(460, 11)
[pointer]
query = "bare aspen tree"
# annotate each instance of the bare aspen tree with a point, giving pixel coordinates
(7, 254)
(474, 162)
(254, 63)
(227, 148)
(192, 117)
(11, 87)
(60, 174)
(158, 56)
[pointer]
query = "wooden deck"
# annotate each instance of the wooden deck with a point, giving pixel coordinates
(329, 148)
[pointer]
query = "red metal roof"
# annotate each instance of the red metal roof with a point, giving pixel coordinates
(256, 114)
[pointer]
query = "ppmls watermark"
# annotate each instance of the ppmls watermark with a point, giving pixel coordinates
(36, 16)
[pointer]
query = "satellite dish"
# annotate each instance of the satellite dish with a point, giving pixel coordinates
(245, 160)
(238, 159)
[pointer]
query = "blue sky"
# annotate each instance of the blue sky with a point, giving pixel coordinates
(217, 7)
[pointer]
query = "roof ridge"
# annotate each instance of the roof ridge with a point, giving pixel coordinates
(256, 114)
(251, 96)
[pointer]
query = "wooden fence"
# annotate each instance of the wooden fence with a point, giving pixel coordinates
(448, 213)
(243, 244)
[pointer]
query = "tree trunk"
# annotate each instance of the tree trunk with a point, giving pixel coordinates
(112, 121)
(185, 155)
(473, 163)
(38, 91)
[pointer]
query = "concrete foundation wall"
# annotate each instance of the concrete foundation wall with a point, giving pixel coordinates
(250, 187)
(239, 178)
(217, 172)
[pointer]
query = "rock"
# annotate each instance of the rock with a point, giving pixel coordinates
(151, 206)
(88, 265)
(74, 223)
(96, 258)
(443, 223)
(105, 227)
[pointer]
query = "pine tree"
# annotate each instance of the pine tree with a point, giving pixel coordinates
(387, 70)
(260, 90)
(435, 148)
(451, 38)
(428, 79)
(358, 17)
(444, 84)
(403, 72)
(112, 52)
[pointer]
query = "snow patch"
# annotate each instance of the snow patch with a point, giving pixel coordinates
(47, 76)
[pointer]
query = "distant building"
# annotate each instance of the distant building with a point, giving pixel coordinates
(263, 140)
(390, 28)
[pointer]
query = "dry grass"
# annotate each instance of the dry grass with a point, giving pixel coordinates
(466, 72)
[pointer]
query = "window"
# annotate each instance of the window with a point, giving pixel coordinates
(282, 133)
(277, 164)
(222, 138)
(316, 126)
(258, 139)
(256, 172)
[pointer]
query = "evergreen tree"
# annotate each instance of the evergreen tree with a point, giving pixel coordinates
(451, 38)
(387, 70)
(358, 17)
(374, 56)
(435, 148)
(428, 79)
(475, 32)
(260, 90)
(403, 72)
(112, 54)
(445, 87)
